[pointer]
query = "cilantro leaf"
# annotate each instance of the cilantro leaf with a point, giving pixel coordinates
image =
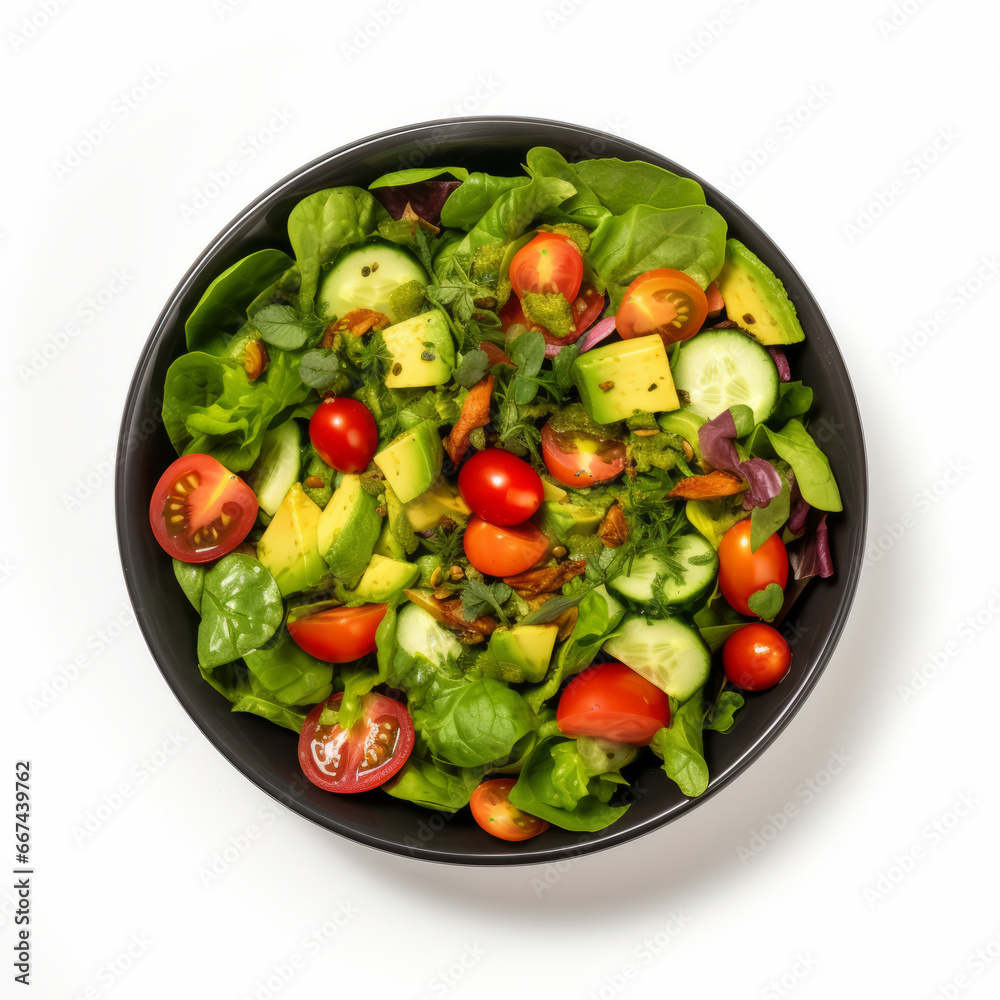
(473, 368)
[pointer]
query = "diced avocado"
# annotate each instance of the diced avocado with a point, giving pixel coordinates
(412, 461)
(289, 548)
(388, 544)
(348, 529)
(524, 651)
(552, 492)
(684, 422)
(756, 300)
(423, 353)
(440, 499)
(618, 380)
(562, 519)
(385, 577)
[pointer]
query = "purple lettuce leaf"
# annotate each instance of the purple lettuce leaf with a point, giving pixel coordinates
(810, 555)
(426, 198)
(781, 363)
(717, 438)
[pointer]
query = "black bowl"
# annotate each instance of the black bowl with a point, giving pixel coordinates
(265, 753)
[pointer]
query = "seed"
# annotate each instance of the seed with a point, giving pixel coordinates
(456, 573)
(645, 432)
(442, 593)
(436, 576)
(559, 551)
(688, 450)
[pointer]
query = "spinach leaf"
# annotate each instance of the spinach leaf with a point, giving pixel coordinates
(469, 203)
(766, 520)
(722, 714)
(475, 723)
(621, 184)
(414, 175)
(584, 207)
(209, 405)
(794, 400)
(690, 239)
(812, 470)
(266, 707)
(716, 622)
(289, 673)
(191, 577)
(682, 747)
(555, 785)
(320, 226)
(433, 784)
(241, 609)
(222, 309)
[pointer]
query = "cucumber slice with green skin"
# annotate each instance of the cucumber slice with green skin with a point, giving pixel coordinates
(666, 651)
(277, 469)
(364, 277)
(651, 578)
(720, 368)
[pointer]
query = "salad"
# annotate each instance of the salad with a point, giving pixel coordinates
(495, 483)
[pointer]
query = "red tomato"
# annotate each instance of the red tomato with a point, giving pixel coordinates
(359, 758)
(578, 459)
(742, 572)
(503, 551)
(200, 510)
(500, 487)
(663, 301)
(756, 657)
(587, 308)
(612, 701)
(338, 635)
(549, 263)
(343, 431)
(492, 810)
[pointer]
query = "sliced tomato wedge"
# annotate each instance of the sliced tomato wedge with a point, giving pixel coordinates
(664, 301)
(503, 551)
(551, 264)
(579, 459)
(200, 510)
(494, 812)
(587, 308)
(338, 635)
(359, 758)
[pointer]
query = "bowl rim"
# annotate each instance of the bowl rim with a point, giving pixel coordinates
(470, 128)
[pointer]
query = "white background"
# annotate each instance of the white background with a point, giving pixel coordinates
(881, 881)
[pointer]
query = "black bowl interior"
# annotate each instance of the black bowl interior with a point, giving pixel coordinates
(265, 753)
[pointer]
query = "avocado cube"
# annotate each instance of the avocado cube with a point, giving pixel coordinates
(756, 300)
(289, 549)
(560, 520)
(524, 650)
(385, 577)
(412, 461)
(348, 529)
(439, 500)
(423, 353)
(619, 380)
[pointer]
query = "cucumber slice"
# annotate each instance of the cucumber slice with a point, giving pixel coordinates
(720, 368)
(277, 469)
(364, 278)
(653, 575)
(667, 652)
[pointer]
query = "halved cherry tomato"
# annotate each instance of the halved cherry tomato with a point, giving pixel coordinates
(612, 701)
(587, 307)
(359, 758)
(492, 810)
(500, 487)
(338, 635)
(344, 433)
(547, 264)
(756, 657)
(742, 572)
(664, 301)
(579, 459)
(503, 551)
(200, 510)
